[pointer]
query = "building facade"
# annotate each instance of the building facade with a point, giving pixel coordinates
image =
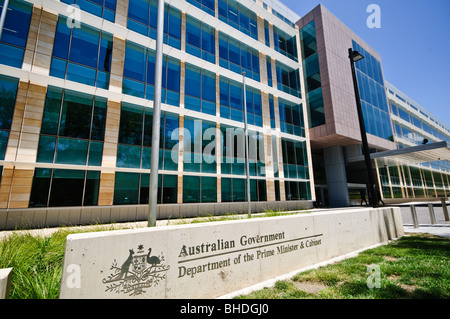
(77, 97)
(414, 125)
(392, 120)
(77, 86)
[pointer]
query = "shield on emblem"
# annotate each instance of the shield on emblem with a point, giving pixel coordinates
(139, 263)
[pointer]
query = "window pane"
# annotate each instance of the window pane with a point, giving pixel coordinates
(46, 149)
(128, 156)
(40, 187)
(191, 189)
(170, 186)
(126, 188)
(192, 81)
(209, 189)
(134, 66)
(91, 188)
(8, 91)
(67, 188)
(62, 39)
(71, 151)
(50, 118)
(76, 115)
(226, 189)
(130, 131)
(84, 45)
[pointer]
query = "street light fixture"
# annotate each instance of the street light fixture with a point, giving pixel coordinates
(355, 56)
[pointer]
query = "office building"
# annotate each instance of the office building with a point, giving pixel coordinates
(77, 87)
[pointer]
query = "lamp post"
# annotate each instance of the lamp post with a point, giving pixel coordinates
(355, 56)
(153, 189)
(246, 148)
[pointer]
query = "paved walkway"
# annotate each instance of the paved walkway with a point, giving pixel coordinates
(441, 228)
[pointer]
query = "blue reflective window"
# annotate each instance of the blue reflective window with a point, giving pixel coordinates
(206, 5)
(288, 79)
(285, 44)
(238, 57)
(200, 90)
(373, 96)
(291, 118)
(239, 17)
(82, 54)
(231, 102)
(200, 39)
(139, 74)
(105, 9)
(71, 122)
(142, 18)
(15, 32)
(295, 159)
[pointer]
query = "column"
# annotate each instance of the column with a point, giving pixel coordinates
(336, 176)
(107, 178)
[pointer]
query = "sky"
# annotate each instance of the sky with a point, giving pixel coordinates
(413, 41)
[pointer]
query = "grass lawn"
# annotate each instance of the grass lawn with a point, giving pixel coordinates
(416, 266)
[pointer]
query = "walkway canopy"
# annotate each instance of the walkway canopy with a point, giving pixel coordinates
(410, 156)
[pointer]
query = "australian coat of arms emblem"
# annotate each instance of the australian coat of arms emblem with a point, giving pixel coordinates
(139, 271)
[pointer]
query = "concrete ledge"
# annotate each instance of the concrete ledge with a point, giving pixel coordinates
(213, 259)
(5, 280)
(71, 216)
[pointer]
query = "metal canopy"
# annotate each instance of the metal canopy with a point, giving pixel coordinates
(410, 155)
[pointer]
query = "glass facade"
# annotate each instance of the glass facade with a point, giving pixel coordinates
(93, 140)
(288, 79)
(239, 17)
(142, 16)
(15, 32)
(133, 188)
(238, 57)
(200, 90)
(8, 93)
(64, 187)
(200, 39)
(313, 84)
(199, 152)
(139, 75)
(105, 9)
(285, 44)
(135, 138)
(373, 97)
(73, 128)
(82, 54)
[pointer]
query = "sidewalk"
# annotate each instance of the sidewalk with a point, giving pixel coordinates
(441, 228)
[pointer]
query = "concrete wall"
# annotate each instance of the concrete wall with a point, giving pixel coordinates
(212, 259)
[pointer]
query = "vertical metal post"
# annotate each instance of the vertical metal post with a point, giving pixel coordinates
(246, 148)
(444, 208)
(373, 194)
(153, 189)
(414, 216)
(432, 216)
(3, 16)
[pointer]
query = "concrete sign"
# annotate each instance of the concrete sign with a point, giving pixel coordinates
(212, 259)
